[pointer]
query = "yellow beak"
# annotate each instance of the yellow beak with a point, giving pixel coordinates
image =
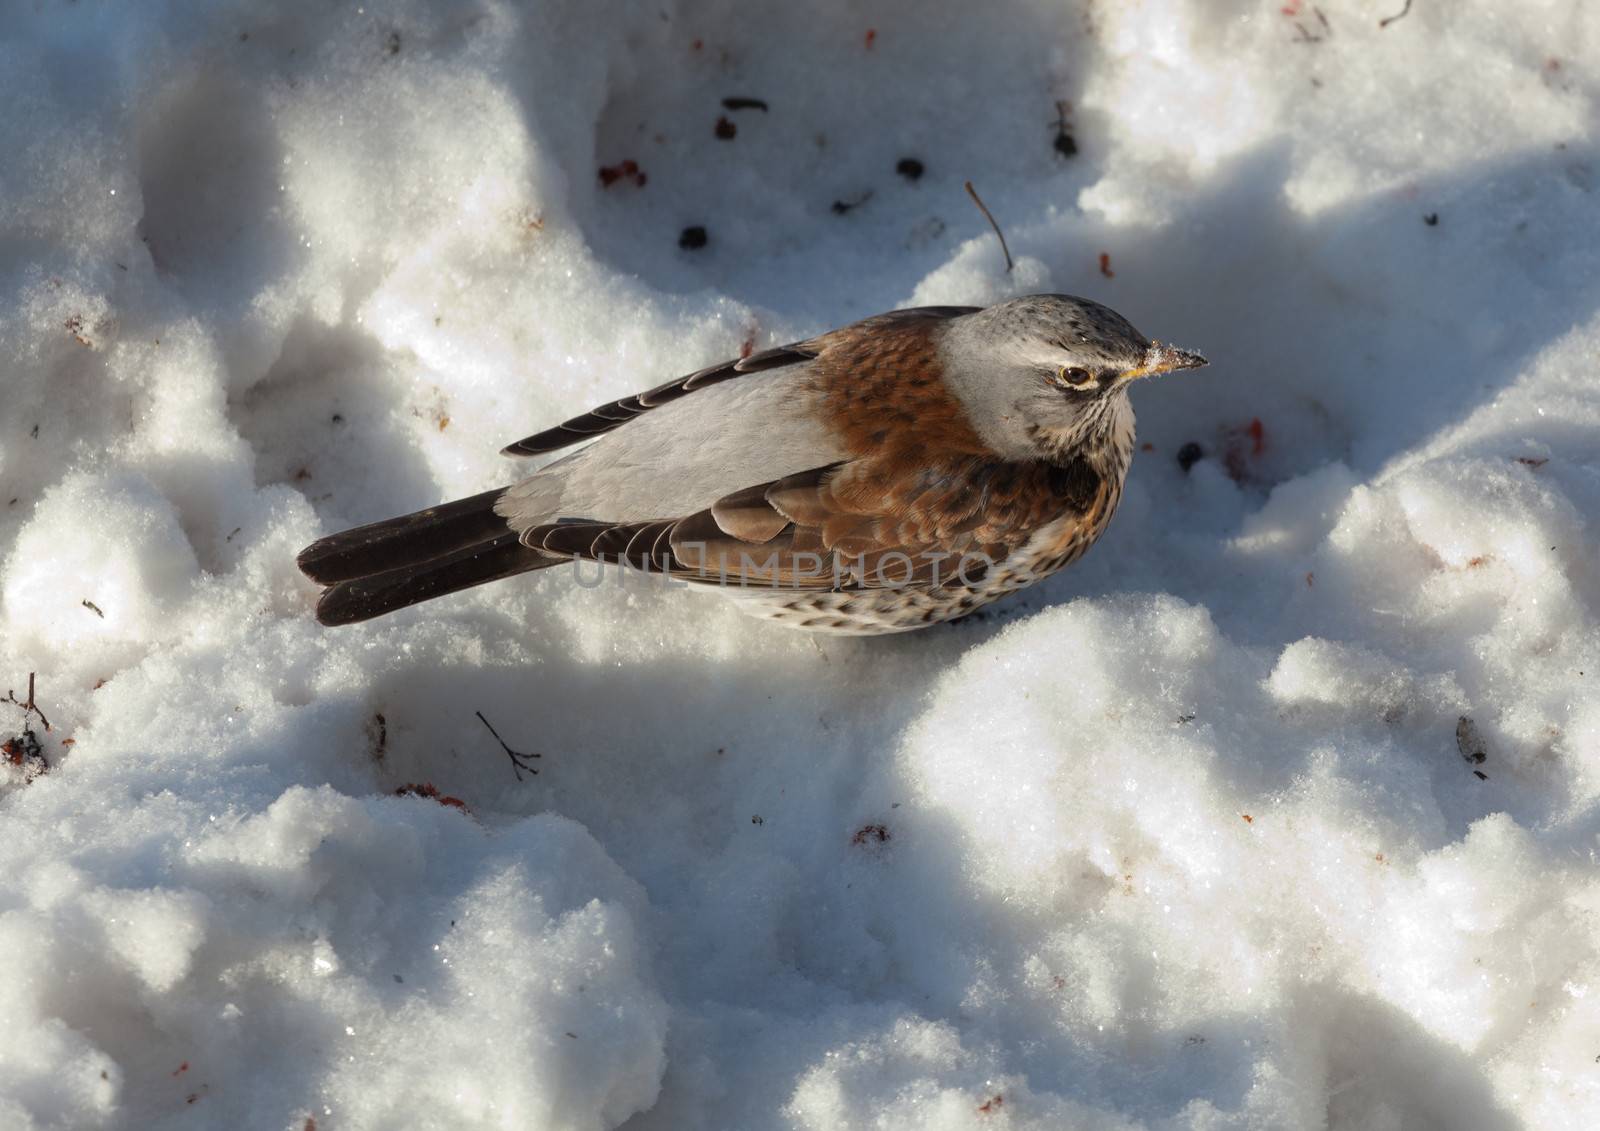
(1164, 359)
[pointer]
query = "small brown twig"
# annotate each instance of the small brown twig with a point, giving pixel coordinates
(989, 216)
(30, 707)
(1400, 15)
(25, 750)
(519, 760)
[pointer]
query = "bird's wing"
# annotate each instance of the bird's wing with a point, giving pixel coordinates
(618, 413)
(861, 524)
(608, 416)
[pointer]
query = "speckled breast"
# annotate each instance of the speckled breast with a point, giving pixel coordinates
(870, 612)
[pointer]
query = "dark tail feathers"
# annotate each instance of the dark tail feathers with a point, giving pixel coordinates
(388, 565)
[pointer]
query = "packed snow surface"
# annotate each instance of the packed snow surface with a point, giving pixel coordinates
(1279, 810)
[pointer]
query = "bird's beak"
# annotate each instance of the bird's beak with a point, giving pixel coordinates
(1164, 359)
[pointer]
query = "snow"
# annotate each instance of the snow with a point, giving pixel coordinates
(1191, 836)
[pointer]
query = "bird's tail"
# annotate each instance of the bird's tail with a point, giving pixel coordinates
(383, 566)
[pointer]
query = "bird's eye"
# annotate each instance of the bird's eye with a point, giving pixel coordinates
(1073, 375)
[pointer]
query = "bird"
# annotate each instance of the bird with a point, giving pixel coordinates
(892, 474)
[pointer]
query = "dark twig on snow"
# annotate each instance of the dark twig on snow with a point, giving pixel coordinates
(989, 216)
(30, 707)
(519, 760)
(1400, 15)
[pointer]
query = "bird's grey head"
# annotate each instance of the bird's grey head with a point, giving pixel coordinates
(1042, 373)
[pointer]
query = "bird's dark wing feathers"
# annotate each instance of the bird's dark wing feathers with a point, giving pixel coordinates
(850, 526)
(609, 416)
